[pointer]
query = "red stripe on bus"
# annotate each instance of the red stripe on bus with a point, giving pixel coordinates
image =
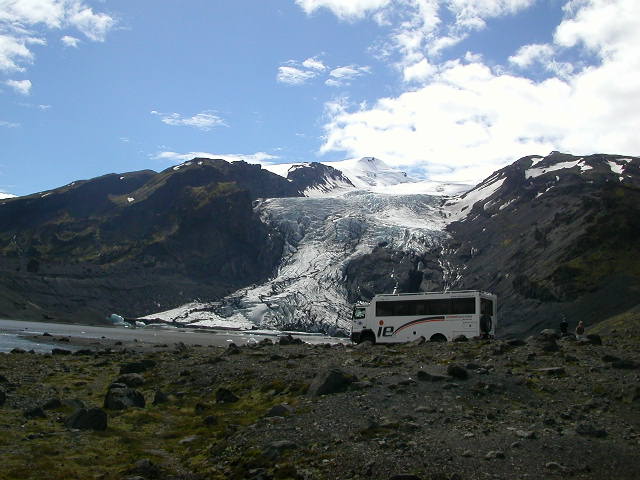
(418, 322)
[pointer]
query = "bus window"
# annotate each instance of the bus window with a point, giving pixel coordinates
(438, 307)
(402, 309)
(486, 306)
(384, 309)
(461, 306)
(421, 307)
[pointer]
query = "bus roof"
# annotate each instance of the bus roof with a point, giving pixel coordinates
(452, 293)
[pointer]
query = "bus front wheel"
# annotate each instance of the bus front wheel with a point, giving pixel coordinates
(368, 336)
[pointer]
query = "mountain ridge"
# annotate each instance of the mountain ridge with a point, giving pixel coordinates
(537, 232)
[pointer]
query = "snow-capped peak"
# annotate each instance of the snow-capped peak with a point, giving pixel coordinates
(6, 195)
(370, 172)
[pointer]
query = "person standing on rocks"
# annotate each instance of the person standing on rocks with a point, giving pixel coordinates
(580, 330)
(564, 326)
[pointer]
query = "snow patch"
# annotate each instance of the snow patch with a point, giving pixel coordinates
(121, 178)
(460, 208)
(6, 195)
(536, 160)
(536, 172)
(130, 199)
(505, 205)
(615, 168)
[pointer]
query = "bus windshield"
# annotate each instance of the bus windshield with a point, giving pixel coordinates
(358, 313)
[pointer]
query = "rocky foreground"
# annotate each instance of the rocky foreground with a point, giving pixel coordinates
(547, 407)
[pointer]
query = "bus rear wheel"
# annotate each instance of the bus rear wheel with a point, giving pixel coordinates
(438, 337)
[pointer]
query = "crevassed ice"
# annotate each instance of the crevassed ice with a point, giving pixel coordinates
(322, 235)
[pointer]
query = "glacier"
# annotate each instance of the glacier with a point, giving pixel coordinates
(322, 234)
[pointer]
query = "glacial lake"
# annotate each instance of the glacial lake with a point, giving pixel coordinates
(13, 334)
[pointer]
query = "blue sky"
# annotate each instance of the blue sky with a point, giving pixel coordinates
(446, 89)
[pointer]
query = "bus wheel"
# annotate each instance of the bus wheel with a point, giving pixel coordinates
(438, 337)
(485, 324)
(368, 336)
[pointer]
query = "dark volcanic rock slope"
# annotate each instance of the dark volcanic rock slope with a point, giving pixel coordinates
(558, 235)
(136, 242)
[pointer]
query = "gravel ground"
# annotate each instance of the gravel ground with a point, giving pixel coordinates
(543, 408)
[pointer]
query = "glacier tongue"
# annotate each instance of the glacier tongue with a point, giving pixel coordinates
(321, 236)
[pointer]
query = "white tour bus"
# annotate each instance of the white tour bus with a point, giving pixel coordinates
(436, 316)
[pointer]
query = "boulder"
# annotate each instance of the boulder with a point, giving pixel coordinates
(589, 430)
(610, 358)
(224, 395)
(83, 351)
(131, 380)
(160, 397)
(624, 364)
(275, 449)
(137, 367)
(280, 410)
(456, 371)
(119, 398)
(594, 339)
(424, 376)
(87, 419)
(60, 351)
(36, 412)
(232, 349)
(52, 404)
(74, 403)
(332, 380)
(549, 333)
(146, 469)
(460, 338)
(365, 345)
(289, 340)
(551, 370)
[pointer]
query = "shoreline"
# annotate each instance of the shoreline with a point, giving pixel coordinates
(94, 337)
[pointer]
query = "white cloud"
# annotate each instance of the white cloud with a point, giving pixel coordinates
(296, 73)
(23, 87)
(205, 120)
(294, 76)
(4, 123)
(462, 119)
(95, 26)
(69, 41)
(258, 157)
(419, 71)
(343, 75)
(529, 54)
(418, 33)
(314, 63)
(344, 9)
(473, 57)
(25, 23)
